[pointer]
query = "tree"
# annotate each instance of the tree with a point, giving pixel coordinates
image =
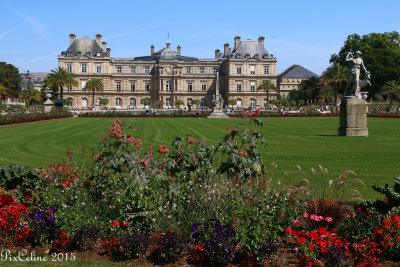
(178, 103)
(94, 85)
(232, 102)
(10, 81)
(145, 102)
(335, 74)
(159, 103)
(326, 93)
(31, 95)
(380, 53)
(104, 101)
(266, 86)
(196, 102)
(392, 90)
(60, 78)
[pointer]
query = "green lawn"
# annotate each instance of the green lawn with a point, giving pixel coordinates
(291, 141)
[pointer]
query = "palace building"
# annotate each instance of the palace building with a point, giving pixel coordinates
(166, 76)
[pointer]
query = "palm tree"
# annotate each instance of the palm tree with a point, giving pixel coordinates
(196, 102)
(94, 85)
(391, 89)
(335, 74)
(60, 78)
(159, 103)
(266, 86)
(178, 103)
(145, 102)
(31, 95)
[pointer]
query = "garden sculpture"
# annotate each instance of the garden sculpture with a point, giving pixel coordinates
(354, 76)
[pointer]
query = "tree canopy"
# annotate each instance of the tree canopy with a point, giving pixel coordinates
(10, 81)
(380, 53)
(94, 85)
(60, 78)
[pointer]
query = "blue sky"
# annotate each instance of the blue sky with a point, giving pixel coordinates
(33, 33)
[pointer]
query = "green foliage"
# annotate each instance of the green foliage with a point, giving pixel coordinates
(178, 103)
(104, 101)
(10, 82)
(14, 175)
(145, 101)
(267, 86)
(94, 85)
(232, 102)
(391, 201)
(31, 96)
(381, 56)
(59, 78)
(360, 226)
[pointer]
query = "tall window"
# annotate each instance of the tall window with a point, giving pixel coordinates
(189, 86)
(189, 102)
(118, 102)
(147, 86)
(69, 88)
(201, 70)
(266, 69)
(83, 85)
(98, 101)
(168, 86)
(215, 70)
(239, 86)
(168, 102)
(265, 103)
(98, 68)
(252, 103)
(69, 67)
(203, 87)
(239, 69)
(133, 69)
(133, 86)
(119, 69)
(84, 68)
(69, 102)
(252, 69)
(132, 102)
(188, 70)
(147, 69)
(203, 102)
(239, 102)
(252, 86)
(84, 102)
(118, 86)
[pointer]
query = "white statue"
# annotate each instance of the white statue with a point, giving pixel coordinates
(354, 75)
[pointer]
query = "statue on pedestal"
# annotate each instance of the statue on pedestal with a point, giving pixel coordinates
(354, 76)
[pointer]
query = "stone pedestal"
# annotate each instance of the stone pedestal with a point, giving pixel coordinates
(218, 114)
(48, 106)
(353, 117)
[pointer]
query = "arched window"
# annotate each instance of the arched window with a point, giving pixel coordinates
(252, 103)
(132, 102)
(168, 102)
(238, 102)
(98, 101)
(118, 102)
(189, 102)
(84, 102)
(203, 102)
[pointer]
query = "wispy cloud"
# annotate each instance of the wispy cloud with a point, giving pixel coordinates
(40, 58)
(38, 26)
(11, 30)
(128, 33)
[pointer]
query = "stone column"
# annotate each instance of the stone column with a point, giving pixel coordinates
(353, 117)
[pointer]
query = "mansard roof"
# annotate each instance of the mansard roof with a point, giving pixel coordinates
(297, 71)
(246, 49)
(86, 46)
(166, 53)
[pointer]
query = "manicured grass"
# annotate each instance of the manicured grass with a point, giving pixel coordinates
(307, 142)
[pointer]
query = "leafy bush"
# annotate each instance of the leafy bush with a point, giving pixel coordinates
(86, 237)
(43, 225)
(169, 248)
(134, 246)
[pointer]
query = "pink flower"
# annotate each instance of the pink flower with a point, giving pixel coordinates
(131, 139)
(328, 219)
(313, 217)
(295, 221)
(305, 215)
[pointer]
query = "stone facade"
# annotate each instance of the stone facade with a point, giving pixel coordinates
(290, 79)
(166, 75)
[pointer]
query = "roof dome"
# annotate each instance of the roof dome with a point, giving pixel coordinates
(166, 52)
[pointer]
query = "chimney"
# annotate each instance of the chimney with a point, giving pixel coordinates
(217, 53)
(104, 46)
(72, 38)
(109, 52)
(178, 50)
(98, 39)
(237, 41)
(151, 50)
(261, 40)
(226, 49)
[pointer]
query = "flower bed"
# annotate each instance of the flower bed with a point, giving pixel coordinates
(193, 203)
(30, 117)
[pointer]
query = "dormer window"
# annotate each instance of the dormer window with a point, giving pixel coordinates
(78, 54)
(247, 56)
(68, 54)
(88, 54)
(97, 54)
(238, 56)
(256, 56)
(265, 56)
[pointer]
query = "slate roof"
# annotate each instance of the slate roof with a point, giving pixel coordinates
(84, 45)
(166, 53)
(297, 71)
(248, 48)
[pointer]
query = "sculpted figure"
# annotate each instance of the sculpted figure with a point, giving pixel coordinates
(354, 75)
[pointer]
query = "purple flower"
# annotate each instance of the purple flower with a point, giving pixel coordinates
(52, 219)
(52, 209)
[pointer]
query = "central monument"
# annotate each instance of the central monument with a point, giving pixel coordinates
(218, 101)
(353, 108)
